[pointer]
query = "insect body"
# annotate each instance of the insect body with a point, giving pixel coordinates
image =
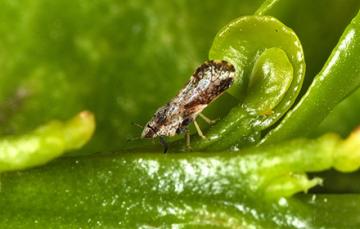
(208, 82)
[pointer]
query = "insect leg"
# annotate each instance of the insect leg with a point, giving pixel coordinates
(200, 133)
(206, 119)
(163, 143)
(187, 139)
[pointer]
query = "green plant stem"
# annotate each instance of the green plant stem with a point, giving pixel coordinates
(45, 143)
(159, 189)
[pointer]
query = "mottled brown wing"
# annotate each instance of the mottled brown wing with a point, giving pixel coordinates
(209, 81)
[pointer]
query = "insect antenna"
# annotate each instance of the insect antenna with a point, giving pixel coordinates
(130, 139)
(137, 125)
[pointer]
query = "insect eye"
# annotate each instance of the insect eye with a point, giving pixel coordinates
(151, 128)
(186, 121)
(178, 131)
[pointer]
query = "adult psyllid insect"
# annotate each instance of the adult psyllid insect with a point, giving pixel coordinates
(207, 83)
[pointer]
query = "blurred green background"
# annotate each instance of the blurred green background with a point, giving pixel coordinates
(123, 59)
(119, 59)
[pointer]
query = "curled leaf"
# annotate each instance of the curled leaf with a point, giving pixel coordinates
(270, 67)
(339, 77)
